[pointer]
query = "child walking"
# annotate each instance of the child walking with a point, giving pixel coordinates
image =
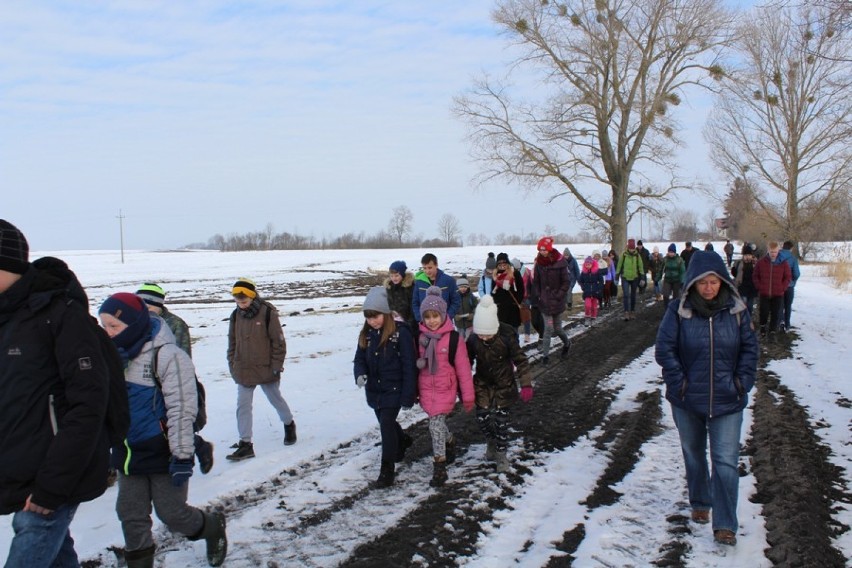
(385, 366)
(499, 360)
(592, 283)
(155, 462)
(464, 317)
(440, 379)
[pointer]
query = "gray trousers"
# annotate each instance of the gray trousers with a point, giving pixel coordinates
(244, 404)
(136, 494)
(552, 326)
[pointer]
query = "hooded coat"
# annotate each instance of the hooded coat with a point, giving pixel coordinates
(399, 296)
(54, 387)
(709, 363)
(438, 392)
(591, 280)
(772, 277)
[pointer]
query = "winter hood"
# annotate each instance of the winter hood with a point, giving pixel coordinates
(704, 263)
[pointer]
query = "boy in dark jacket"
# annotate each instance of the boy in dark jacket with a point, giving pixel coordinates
(54, 387)
(498, 356)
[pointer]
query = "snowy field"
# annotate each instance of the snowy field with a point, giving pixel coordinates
(330, 411)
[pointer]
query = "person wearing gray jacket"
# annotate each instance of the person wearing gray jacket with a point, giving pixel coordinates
(155, 468)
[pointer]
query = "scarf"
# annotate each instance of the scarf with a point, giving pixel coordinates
(500, 277)
(707, 308)
(129, 352)
(429, 340)
(252, 310)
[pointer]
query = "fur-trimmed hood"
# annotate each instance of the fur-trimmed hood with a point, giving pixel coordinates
(407, 281)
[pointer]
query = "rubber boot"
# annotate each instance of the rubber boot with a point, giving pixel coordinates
(386, 475)
(439, 473)
(502, 462)
(143, 558)
(213, 532)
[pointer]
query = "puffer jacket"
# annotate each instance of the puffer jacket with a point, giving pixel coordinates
(550, 284)
(591, 281)
(449, 291)
(256, 351)
(438, 392)
(709, 363)
(630, 265)
(391, 369)
(498, 361)
(54, 387)
(788, 257)
(674, 269)
(161, 421)
(771, 278)
(399, 296)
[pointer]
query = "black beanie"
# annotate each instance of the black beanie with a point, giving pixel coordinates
(14, 250)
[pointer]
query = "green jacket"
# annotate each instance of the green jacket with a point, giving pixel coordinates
(674, 269)
(630, 265)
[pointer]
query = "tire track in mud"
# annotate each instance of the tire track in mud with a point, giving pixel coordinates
(797, 485)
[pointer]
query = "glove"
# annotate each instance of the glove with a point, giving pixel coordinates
(506, 284)
(468, 405)
(361, 381)
(180, 470)
(526, 394)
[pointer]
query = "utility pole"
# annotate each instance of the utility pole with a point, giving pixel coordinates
(121, 233)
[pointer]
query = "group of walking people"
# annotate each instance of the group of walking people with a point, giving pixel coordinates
(426, 339)
(85, 406)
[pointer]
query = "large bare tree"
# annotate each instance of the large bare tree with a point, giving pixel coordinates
(784, 120)
(606, 77)
(449, 228)
(401, 223)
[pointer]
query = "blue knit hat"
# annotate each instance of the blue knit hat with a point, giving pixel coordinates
(398, 266)
(672, 248)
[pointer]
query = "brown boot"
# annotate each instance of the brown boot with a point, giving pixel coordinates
(439, 473)
(724, 536)
(700, 516)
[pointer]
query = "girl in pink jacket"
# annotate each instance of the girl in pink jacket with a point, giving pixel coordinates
(440, 379)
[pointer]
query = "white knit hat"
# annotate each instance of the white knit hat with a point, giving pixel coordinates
(485, 320)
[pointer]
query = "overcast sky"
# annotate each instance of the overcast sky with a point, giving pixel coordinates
(197, 118)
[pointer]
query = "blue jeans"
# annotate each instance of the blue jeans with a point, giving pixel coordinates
(716, 490)
(43, 540)
(629, 300)
(789, 294)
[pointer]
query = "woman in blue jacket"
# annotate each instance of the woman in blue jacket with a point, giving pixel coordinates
(708, 351)
(385, 365)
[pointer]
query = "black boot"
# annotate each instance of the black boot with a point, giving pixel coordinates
(386, 475)
(405, 442)
(143, 558)
(213, 532)
(451, 450)
(290, 433)
(245, 450)
(439, 474)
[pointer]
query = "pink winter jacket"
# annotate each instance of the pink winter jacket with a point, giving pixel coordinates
(438, 392)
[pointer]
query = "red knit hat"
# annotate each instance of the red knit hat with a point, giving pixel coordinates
(545, 243)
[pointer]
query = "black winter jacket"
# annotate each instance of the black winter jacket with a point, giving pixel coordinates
(497, 361)
(54, 388)
(391, 369)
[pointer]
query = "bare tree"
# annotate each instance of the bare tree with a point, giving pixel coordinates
(684, 225)
(400, 223)
(784, 120)
(610, 73)
(449, 228)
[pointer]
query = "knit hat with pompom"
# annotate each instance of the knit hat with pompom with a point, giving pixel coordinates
(485, 320)
(433, 302)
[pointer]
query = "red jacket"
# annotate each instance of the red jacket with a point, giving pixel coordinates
(771, 278)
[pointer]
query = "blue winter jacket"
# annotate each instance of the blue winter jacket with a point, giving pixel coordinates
(709, 363)
(391, 370)
(790, 259)
(449, 291)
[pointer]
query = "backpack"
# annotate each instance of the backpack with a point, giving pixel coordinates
(201, 417)
(118, 410)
